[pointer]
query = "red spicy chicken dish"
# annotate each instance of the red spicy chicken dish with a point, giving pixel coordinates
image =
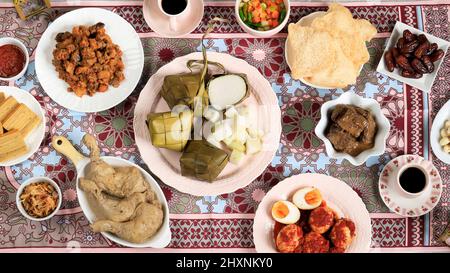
(308, 225)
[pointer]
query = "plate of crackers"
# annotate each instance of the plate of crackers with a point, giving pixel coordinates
(22, 125)
(327, 50)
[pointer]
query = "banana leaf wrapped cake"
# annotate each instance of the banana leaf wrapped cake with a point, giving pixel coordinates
(180, 88)
(202, 160)
(170, 130)
(207, 97)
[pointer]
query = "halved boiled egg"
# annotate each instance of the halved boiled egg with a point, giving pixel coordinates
(285, 212)
(307, 198)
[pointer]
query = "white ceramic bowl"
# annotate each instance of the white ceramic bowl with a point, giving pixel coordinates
(265, 33)
(369, 104)
(435, 135)
(36, 180)
(18, 43)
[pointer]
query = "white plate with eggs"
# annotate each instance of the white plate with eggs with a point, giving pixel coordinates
(338, 196)
(440, 130)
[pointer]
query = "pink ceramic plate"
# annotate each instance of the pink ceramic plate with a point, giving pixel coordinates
(159, 22)
(165, 163)
(338, 196)
(396, 199)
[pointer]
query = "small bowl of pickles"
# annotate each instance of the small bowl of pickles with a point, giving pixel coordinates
(262, 18)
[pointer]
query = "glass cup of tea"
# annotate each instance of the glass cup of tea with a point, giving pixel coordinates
(412, 180)
(174, 10)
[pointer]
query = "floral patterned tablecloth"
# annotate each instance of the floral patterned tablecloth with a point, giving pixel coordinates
(224, 223)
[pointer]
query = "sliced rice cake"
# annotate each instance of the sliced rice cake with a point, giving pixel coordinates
(7, 106)
(10, 140)
(19, 151)
(18, 118)
(30, 126)
(12, 145)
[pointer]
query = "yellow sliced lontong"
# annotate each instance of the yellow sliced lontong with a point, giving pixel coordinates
(18, 118)
(7, 106)
(30, 126)
(14, 154)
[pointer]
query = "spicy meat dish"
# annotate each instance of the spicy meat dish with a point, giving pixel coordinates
(321, 219)
(342, 233)
(311, 228)
(352, 129)
(88, 60)
(315, 243)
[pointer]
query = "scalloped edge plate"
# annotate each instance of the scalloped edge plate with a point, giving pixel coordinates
(165, 163)
(339, 196)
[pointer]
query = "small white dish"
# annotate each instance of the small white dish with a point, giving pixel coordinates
(426, 82)
(18, 43)
(36, 180)
(402, 202)
(34, 139)
(369, 104)
(306, 21)
(435, 135)
(265, 33)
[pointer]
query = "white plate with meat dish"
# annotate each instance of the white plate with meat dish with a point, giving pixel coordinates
(121, 33)
(338, 196)
(165, 163)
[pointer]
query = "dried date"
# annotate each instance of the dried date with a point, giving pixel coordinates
(437, 55)
(411, 74)
(413, 54)
(422, 49)
(428, 63)
(418, 66)
(403, 62)
(432, 48)
(389, 60)
(395, 52)
(400, 43)
(422, 38)
(409, 37)
(410, 47)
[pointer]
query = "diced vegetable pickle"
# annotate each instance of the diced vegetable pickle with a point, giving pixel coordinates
(262, 14)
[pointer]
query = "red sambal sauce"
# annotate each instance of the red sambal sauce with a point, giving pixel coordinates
(12, 61)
